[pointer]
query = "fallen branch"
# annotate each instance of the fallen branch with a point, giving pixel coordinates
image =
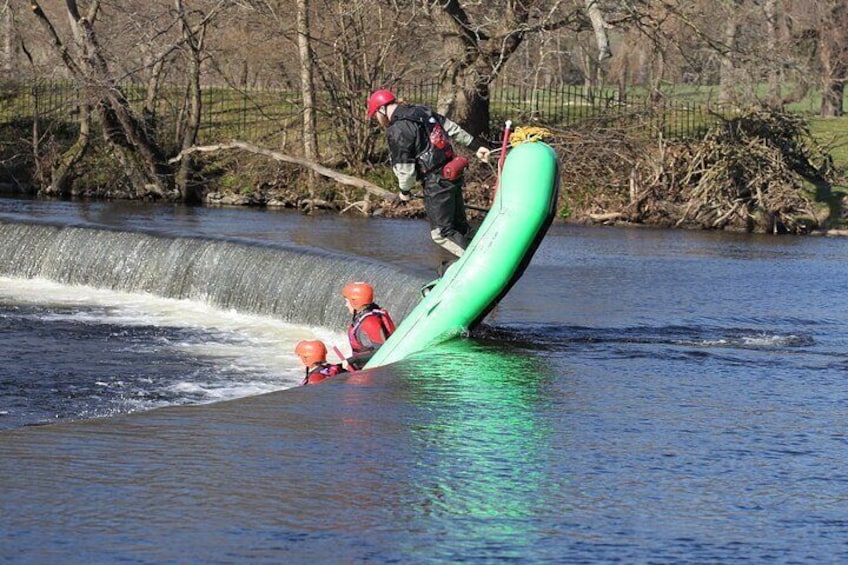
(606, 217)
(320, 169)
(362, 206)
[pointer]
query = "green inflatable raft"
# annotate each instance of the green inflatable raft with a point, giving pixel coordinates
(521, 213)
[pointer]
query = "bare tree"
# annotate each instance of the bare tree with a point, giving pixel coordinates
(7, 38)
(307, 81)
(479, 38)
(787, 53)
(599, 27)
(131, 136)
(771, 10)
(307, 88)
(728, 76)
(660, 43)
(359, 47)
(193, 34)
(833, 55)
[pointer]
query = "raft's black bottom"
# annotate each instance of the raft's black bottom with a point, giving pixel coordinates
(443, 268)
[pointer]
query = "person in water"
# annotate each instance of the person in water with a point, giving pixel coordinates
(313, 355)
(420, 149)
(370, 325)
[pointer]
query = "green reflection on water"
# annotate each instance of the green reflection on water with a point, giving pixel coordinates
(484, 427)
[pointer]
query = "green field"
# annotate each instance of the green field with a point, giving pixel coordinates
(833, 133)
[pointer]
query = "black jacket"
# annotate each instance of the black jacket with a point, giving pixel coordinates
(416, 135)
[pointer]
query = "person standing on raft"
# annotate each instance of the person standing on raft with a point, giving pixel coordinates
(370, 326)
(420, 149)
(313, 355)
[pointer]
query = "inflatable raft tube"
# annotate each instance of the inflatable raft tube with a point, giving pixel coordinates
(522, 212)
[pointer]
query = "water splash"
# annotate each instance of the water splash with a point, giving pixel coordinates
(558, 336)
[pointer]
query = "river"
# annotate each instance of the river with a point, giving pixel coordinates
(640, 396)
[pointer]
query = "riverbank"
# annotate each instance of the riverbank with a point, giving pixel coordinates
(761, 172)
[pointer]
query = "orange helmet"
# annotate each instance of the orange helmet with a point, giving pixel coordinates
(311, 352)
(359, 293)
(378, 99)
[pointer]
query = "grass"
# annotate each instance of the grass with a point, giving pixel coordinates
(833, 134)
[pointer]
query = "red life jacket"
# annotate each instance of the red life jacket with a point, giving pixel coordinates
(361, 342)
(321, 372)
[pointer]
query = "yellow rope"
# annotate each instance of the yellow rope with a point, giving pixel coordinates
(528, 134)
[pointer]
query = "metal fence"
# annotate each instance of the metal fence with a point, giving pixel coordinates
(225, 112)
(264, 115)
(575, 106)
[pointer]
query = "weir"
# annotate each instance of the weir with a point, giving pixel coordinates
(295, 285)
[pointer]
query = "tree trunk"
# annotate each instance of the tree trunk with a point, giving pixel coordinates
(63, 172)
(193, 39)
(833, 54)
(470, 66)
(459, 56)
(599, 26)
(307, 88)
(469, 104)
(727, 76)
(7, 33)
(833, 94)
(770, 8)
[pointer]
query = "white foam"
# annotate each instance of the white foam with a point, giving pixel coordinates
(765, 340)
(260, 348)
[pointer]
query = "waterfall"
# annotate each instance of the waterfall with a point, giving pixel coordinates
(296, 285)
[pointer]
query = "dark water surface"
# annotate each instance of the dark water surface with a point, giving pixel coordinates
(640, 396)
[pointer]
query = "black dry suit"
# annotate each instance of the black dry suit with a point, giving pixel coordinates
(417, 135)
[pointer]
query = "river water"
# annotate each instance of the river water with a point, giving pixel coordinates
(640, 396)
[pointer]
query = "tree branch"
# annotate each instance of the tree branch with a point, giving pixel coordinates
(320, 169)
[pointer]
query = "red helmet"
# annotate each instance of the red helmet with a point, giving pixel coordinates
(378, 99)
(311, 352)
(359, 293)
